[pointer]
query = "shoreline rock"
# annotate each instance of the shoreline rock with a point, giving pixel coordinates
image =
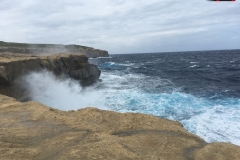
(31, 130)
(76, 66)
(13, 66)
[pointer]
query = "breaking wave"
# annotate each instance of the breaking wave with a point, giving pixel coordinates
(64, 94)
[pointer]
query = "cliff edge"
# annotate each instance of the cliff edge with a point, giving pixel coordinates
(31, 130)
(14, 65)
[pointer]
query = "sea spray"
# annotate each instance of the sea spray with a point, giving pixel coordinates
(64, 94)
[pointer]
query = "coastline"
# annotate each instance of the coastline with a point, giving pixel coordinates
(31, 130)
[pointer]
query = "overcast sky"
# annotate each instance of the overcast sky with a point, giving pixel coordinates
(123, 26)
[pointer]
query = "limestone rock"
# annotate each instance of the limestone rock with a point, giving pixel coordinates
(13, 66)
(25, 48)
(31, 130)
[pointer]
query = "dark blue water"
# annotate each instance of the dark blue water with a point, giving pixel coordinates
(199, 89)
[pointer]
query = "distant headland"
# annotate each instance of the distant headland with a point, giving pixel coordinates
(27, 48)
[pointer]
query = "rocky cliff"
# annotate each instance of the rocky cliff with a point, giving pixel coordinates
(13, 66)
(31, 130)
(25, 48)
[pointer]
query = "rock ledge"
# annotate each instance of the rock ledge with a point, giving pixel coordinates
(13, 66)
(31, 130)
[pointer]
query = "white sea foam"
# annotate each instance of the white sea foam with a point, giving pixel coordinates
(64, 94)
(99, 57)
(210, 120)
(194, 66)
(216, 123)
(112, 64)
(213, 120)
(193, 62)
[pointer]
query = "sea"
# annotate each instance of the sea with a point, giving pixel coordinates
(200, 89)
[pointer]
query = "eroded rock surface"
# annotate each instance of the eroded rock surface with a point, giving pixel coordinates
(14, 66)
(31, 130)
(76, 66)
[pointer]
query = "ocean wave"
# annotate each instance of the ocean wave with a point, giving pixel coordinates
(197, 114)
(214, 121)
(99, 57)
(113, 65)
(193, 66)
(63, 94)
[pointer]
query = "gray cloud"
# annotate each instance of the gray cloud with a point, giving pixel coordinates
(123, 26)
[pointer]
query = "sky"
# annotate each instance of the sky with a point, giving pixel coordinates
(123, 26)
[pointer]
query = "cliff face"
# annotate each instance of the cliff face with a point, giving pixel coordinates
(31, 130)
(13, 66)
(24, 48)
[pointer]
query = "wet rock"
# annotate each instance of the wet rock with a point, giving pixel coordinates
(88, 75)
